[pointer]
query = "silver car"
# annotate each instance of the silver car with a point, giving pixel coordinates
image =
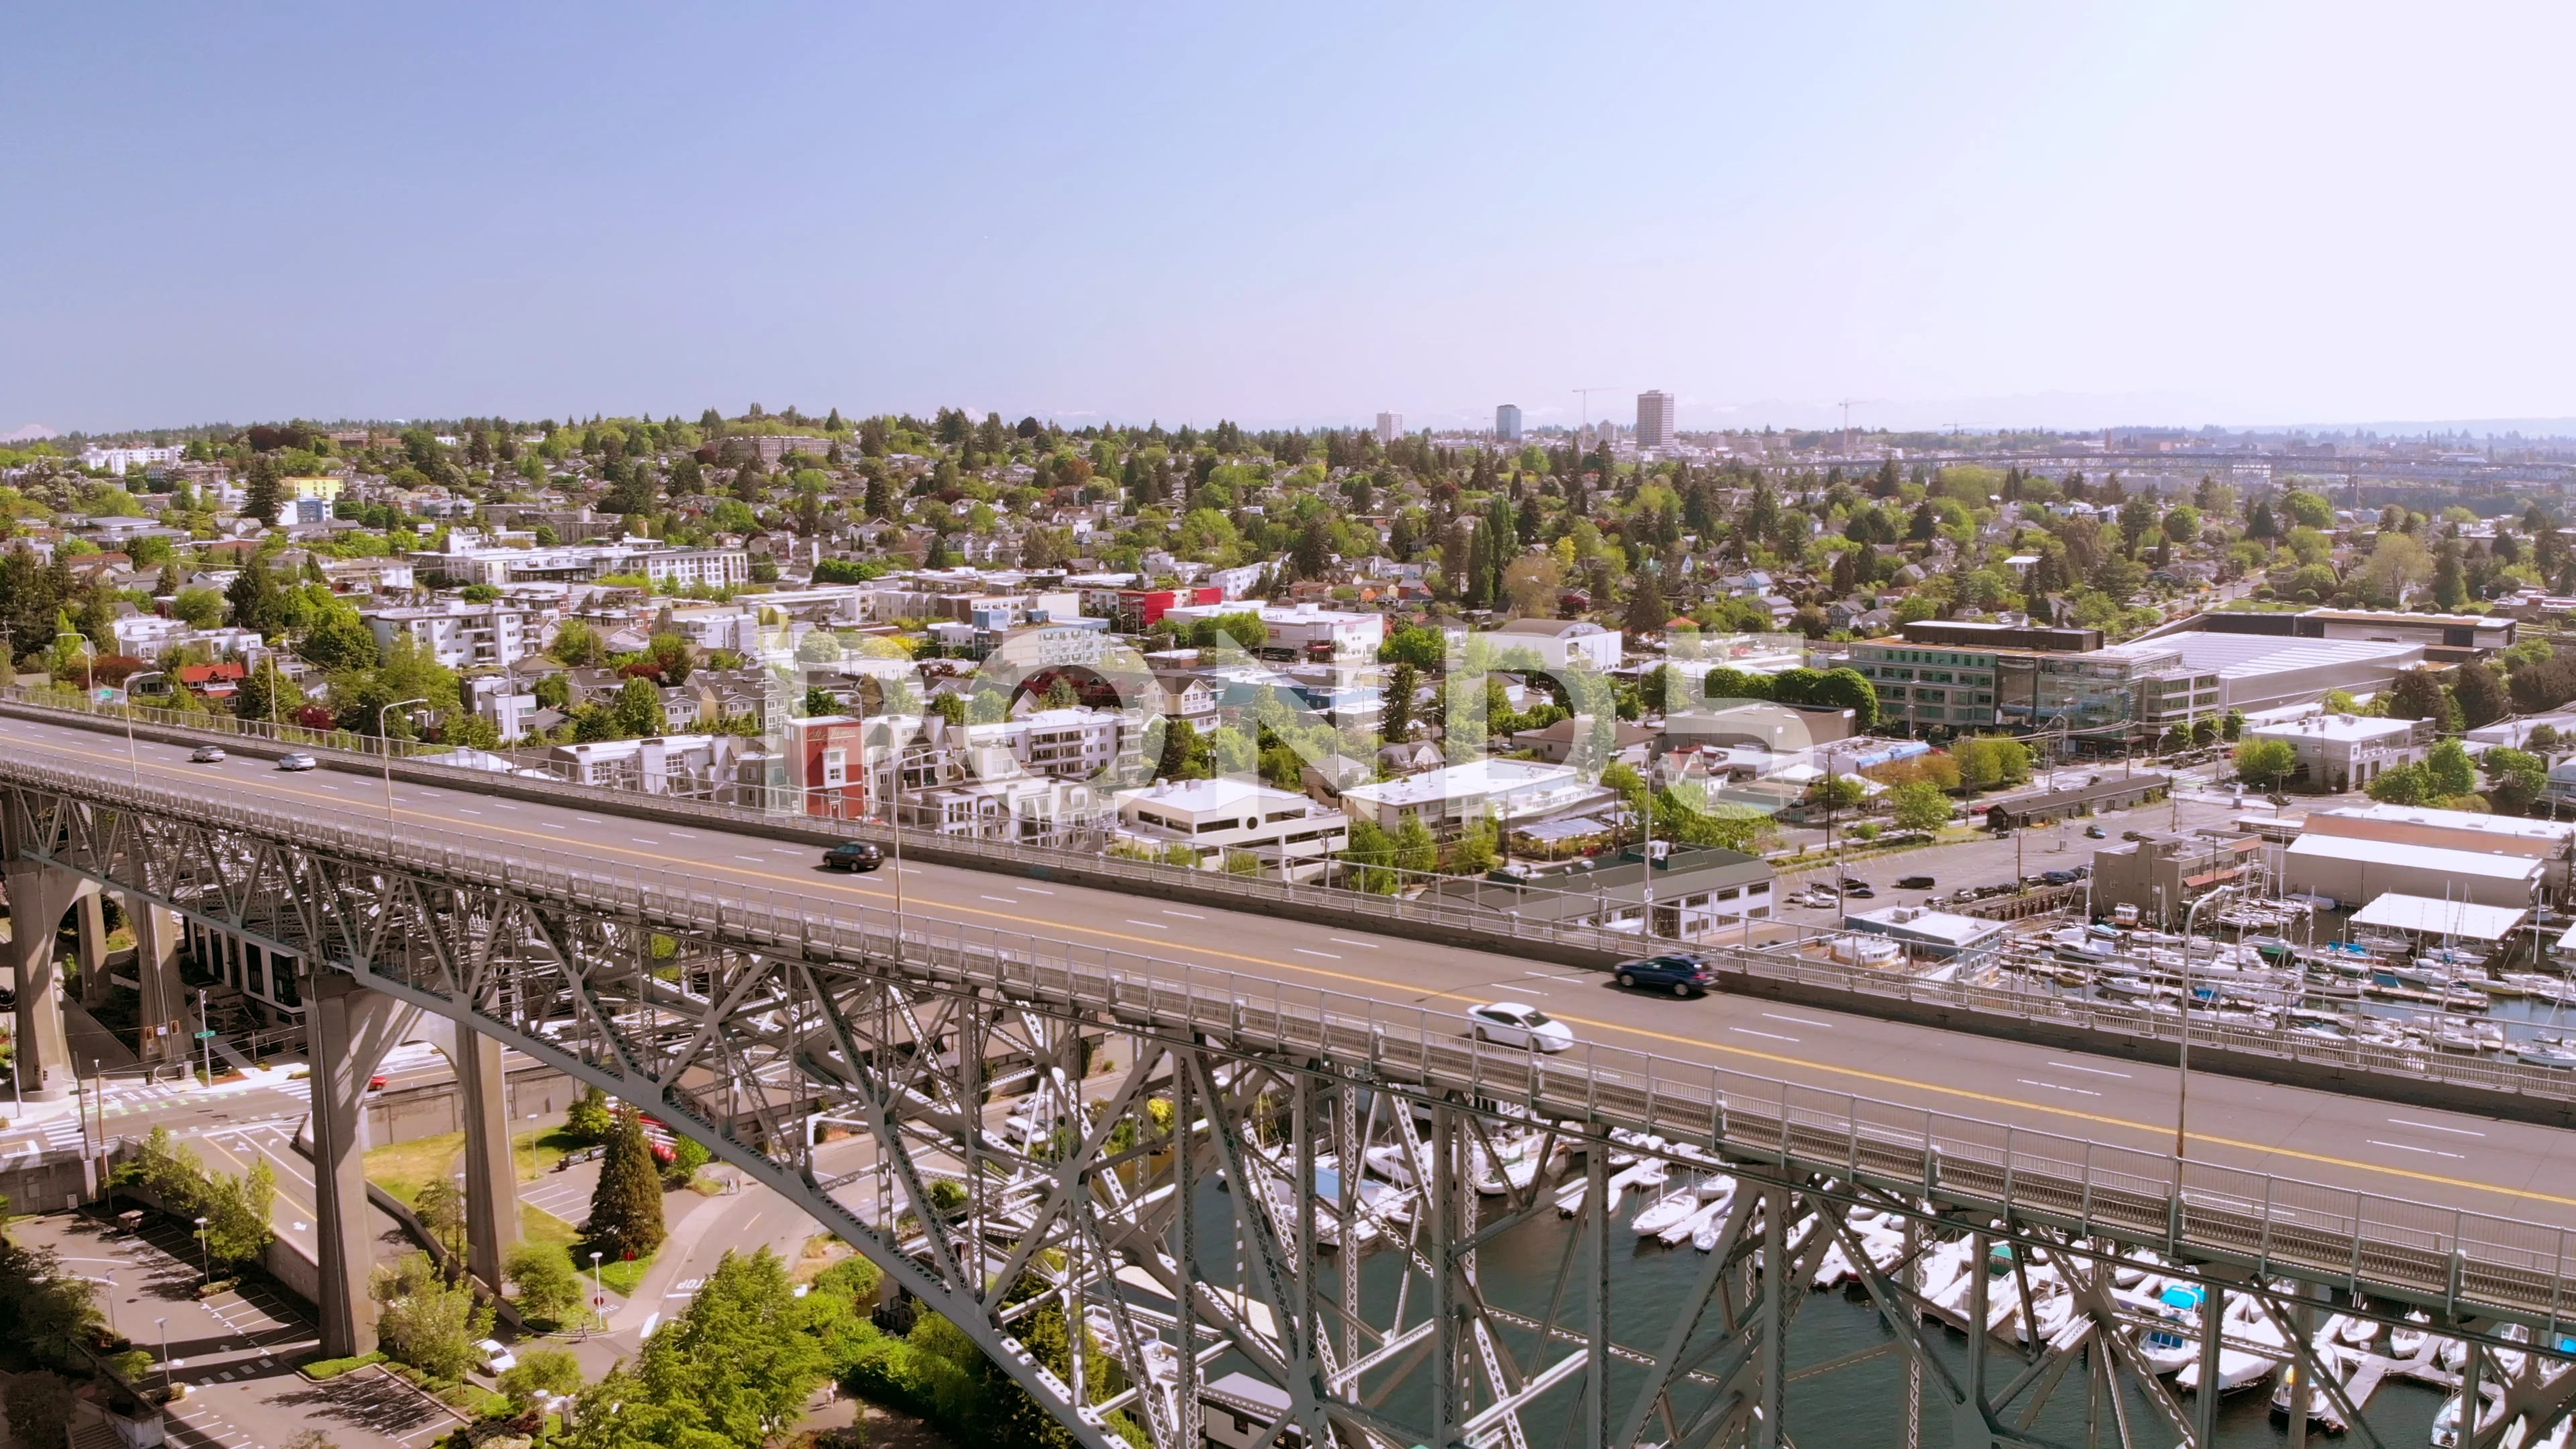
(1513, 1024)
(297, 761)
(206, 755)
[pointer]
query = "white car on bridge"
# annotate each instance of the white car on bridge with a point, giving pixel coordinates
(1513, 1024)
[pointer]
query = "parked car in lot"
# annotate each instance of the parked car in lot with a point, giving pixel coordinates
(495, 1357)
(2094, 832)
(1679, 974)
(297, 761)
(1859, 893)
(853, 855)
(1915, 883)
(1854, 883)
(1512, 1024)
(2057, 877)
(206, 755)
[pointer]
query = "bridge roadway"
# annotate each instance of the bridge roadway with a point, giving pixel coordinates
(2454, 1160)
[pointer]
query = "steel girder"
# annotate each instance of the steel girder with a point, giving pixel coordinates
(1119, 1209)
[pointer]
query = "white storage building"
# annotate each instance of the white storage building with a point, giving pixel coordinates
(2354, 871)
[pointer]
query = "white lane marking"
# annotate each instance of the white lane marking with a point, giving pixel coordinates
(1773, 1035)
(1148, 925)
(550, 825)
(2058, 1087)
(2097, 1071)
(686, 834)
(497, 805)
(640, 840)
(1189, 915)
(2434, 1127)
(461, 810)
(1037, 890)
(1005, 900)
(1347, 941)
(590, 820)
(755, 860)
(2410, 1147)
(1800, 1020)
(1302, 951)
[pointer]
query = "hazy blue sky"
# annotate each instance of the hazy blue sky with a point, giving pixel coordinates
(2067, 215)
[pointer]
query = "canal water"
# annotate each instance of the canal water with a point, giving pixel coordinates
(1858, 1406)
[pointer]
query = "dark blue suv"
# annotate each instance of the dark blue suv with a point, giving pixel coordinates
(1681, 975)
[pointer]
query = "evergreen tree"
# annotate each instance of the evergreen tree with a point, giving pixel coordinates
(1646, 611)
(263, 495)
(626, 1207)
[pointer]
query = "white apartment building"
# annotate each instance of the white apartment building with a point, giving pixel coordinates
(1304, 630)
(117, 460)
(1561, 643)
(1074, 743)
(1390, 426)
(2340, 752)
(680, 568)
(1507, 423)
(1446, 799)
(1287, 831)
(462, 635)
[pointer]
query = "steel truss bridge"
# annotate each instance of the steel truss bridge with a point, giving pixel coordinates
(1036, 1134)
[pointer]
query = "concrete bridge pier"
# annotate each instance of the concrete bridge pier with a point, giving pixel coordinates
(38, 896)
(491, 1174)
(168, 1035)
(347, 1031)
(89, 916)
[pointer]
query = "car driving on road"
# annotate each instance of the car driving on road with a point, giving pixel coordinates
(206, 755)
(297, 761)
(1915, 883)
(853, 855)
(1511, 1023)
(1679, 974)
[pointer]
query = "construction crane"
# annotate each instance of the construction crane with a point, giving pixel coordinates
(1586, 394)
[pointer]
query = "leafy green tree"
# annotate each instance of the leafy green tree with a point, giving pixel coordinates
(2482, 696)
(626, 1206)
(550, 1289)
(577, 643)
(237, 1212)
(198, 608)
(1920, 806)
(2417, 694)
(40, 1409)
(2307, 509)
(2450, 769)
(588, 1118)
(1424, 649)
(541, 1371)
(426, 1321)
(1370, 852)
(639, 709)
(2266, 763)
(687, 1156)
(338, 639)
(441, 1208)
(1396, 720)
(1992, 762)
(1476, 849)
(1415, 850)
(262, 493)
(2404, 785)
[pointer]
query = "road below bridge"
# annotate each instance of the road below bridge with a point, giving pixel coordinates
(2452, 1159)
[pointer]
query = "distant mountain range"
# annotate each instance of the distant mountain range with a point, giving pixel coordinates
(31, 433)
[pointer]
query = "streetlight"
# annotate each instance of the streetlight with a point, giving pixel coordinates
(205, 1255)
(132, 760)
(111, 1305)
(2182, 1067)
(386, 742)
(598, 1291)
(165, 1355)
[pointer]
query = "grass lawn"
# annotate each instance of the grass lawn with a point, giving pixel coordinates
(536, 1225)
(623, 1278)
(538, 1150)
(405, 1167)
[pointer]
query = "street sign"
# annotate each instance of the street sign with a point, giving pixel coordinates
(201, 1036)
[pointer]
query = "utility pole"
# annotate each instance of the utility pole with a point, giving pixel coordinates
(1586, 394)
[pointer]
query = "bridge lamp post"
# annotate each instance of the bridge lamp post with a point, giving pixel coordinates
(165, 1355)
(2182, 1076)
(384, 716)
(133, 761)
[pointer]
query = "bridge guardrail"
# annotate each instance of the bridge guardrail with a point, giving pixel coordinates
(2419, 1252)
(1782, 964)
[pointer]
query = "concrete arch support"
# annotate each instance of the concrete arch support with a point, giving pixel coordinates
(491, 1175)
(347, 1030)
(38, 896)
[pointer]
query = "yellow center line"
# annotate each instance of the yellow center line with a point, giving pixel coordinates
(1858, 1073)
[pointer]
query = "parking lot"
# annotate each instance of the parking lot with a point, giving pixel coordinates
(1987, 859)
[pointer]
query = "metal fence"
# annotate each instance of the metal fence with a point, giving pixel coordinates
(2419, 1252)
(1793, 959)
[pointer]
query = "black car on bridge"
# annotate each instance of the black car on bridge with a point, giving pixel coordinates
(853, 855)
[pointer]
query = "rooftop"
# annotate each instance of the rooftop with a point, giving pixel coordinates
(2417, 857)
(2244, 656)
(2350, 727)
(2424, 916)
(2452, 820)
(1476, 777)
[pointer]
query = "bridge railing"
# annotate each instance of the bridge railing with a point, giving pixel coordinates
(1787, 962)
(2423, 1253)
